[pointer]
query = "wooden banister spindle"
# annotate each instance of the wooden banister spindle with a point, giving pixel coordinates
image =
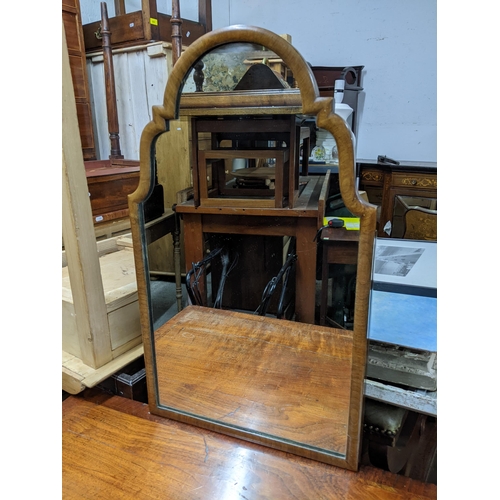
(205, 14)
(109, 79)
(199, 76)
(176, 22)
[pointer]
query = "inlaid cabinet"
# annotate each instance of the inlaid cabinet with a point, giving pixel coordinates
(385, 183)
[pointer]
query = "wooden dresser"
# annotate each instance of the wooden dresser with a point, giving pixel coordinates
(383, 183)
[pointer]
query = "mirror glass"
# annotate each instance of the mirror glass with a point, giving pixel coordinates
(275, 365)
(226, 68)
(338, 249)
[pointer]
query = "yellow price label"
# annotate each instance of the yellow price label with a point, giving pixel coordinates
(153, 21)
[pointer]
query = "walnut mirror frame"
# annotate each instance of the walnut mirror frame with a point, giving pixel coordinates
(309, 104)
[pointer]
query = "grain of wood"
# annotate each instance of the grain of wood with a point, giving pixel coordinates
(113, 448)
(273, 377)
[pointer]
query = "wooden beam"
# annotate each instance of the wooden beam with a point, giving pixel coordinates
(78, 233)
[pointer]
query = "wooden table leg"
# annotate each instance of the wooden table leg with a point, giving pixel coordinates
(324, 286)
(305, 296)
(194, 245)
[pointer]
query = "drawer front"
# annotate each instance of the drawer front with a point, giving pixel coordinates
(416, 180)
(372, 177)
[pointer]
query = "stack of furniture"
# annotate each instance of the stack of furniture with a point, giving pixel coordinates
(282, 211)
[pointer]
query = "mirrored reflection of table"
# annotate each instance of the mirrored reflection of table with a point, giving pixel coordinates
(286, 380)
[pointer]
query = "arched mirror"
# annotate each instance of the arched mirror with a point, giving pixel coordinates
(262, 370)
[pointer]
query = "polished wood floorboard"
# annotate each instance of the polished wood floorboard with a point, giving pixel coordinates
(113, 448)
(270, 376)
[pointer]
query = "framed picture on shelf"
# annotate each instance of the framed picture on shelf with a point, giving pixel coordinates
(405, 266)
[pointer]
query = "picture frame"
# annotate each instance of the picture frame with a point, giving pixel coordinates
(405, 266)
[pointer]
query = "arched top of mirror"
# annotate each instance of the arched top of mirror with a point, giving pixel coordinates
(304, 101)
(244, 39)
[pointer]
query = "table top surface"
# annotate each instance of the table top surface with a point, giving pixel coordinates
(259, 373)
(113, 447)
(404, 165)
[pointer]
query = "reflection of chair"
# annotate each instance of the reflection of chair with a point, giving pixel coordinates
(420, 224)
(196, 274)
(280, 279)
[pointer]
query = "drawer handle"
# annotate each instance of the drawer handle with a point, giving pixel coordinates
(414, 182)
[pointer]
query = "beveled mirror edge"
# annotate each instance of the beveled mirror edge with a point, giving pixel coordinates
(312, 104)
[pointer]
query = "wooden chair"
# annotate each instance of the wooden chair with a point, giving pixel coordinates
(391, 434)
(420, 224)
(200, 269)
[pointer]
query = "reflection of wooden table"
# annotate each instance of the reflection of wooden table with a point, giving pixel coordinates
(302, 222)
(340, 246)
(275, 377)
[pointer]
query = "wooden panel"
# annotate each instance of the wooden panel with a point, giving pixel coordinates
(372, 177)
(158, 455)
(124, 324)
(74, 37)
(78, 234)
(70, 20)
(237, 202)
(174, 173)
(117, 271)
(191, 30)
(109, 193)
(271, 376)
(84, 114)
(69, 4)
(142, 80)
(79, 76)
(70, 342)
(414, 180)
(125, 28)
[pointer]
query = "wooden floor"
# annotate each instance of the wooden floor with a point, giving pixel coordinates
(113, 448)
